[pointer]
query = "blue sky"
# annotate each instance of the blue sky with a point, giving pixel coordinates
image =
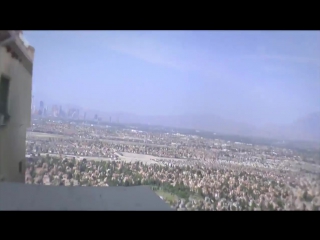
(256, 77)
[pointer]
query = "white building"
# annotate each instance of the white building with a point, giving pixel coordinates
(16, 63)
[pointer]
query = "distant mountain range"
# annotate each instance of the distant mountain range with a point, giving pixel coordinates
(306, 128)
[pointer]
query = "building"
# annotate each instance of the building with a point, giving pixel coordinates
(41, 108)
(16, 64)
(60, 111)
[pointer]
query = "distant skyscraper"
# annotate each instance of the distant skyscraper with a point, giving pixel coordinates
(56, 111)
(84, 116)
(40, 112)
(73, 113)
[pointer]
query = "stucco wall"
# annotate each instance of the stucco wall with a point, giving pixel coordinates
(13, 135)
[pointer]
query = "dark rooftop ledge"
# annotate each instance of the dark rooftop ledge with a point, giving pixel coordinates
(19, 196)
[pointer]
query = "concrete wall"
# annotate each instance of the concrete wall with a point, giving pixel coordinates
(13, 135)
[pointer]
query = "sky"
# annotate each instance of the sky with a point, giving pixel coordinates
(257, 77)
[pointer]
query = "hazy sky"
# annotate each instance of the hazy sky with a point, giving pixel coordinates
(250, 76)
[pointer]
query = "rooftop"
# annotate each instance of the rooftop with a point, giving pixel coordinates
(19, 196)
(18, 46)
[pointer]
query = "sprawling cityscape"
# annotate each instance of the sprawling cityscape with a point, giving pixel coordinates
(188, 171)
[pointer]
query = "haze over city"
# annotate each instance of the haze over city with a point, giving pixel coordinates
(257, 78)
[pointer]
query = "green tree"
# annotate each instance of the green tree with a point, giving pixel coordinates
(270, 207)
(69, 175)
(307, 197)
(280, 204)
